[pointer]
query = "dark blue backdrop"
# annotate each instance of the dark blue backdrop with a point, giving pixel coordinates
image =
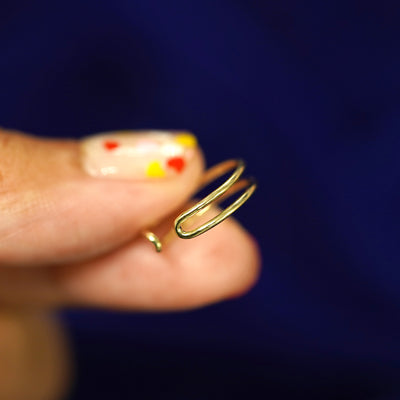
(309, 94)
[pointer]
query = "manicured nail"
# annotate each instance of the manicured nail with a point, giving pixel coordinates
(138, 154)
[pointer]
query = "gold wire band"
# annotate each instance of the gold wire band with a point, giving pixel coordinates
(232, 185)
(214, 196)
(154, 239)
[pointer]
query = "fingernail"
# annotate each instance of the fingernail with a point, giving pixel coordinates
(138, 155)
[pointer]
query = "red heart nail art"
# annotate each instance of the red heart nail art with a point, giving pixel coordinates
(177, 163)
(111, 144)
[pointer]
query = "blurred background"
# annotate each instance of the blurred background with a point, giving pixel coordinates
(308, 92)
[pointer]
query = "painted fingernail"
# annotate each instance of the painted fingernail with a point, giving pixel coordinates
(138, 154)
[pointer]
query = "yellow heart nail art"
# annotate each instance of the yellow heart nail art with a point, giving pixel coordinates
(155, 170)
(186, 139)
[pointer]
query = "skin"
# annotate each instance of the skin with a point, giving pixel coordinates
(68, 239)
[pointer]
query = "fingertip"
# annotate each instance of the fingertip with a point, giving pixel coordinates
(224, 263)
(63, 214)
(188, 274)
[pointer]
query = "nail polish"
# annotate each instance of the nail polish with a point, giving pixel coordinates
(138, 155)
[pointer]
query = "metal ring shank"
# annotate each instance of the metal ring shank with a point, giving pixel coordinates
(212, 174)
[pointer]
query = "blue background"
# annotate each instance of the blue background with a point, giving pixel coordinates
(308, 92)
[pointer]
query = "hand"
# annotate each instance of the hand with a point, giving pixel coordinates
(71, 218)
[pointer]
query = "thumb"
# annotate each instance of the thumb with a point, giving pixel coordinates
(65, 201)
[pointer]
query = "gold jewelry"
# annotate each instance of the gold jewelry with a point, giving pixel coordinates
(232, 185)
